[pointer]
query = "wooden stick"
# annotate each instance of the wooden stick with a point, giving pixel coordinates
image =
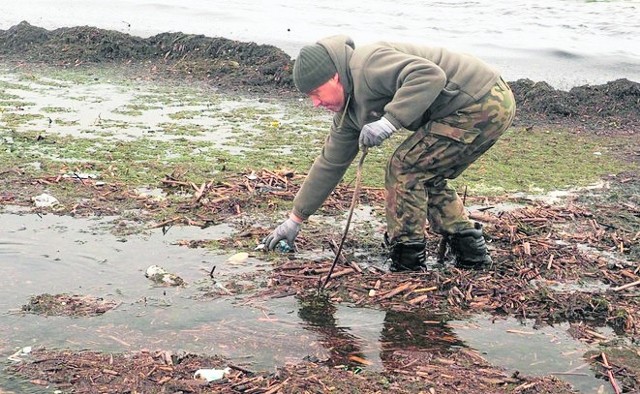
(241, 369)
(199, 192)
(175, 183)
(426, 289)
(278, 387)
(397, 290)
(628, 285)
(483, 217)
(355, 266)
(595, 334)
(612, 379)
(338, 274)
(354, 200)
(334, 248)
(569, 373)
(166, 222)
(418, 299)
(274, 389)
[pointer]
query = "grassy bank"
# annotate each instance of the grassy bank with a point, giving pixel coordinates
(56, 121)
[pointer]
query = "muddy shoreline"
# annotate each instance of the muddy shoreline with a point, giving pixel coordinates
(537, 246)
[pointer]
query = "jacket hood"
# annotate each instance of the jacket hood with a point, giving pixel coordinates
(340, 48)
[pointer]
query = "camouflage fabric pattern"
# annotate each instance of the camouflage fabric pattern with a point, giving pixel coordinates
(417, 172)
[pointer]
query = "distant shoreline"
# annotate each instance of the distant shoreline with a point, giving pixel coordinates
(252, 68)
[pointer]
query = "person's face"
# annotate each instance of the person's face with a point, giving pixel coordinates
(329, 95)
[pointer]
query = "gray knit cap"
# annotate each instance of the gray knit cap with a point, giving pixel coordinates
(312, 68)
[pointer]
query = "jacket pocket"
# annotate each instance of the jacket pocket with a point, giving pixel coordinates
(453, 133)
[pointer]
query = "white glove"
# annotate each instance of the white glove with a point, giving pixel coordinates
(288, 230)
(374, 133)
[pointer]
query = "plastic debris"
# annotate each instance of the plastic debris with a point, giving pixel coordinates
(161, 276)
(211, 374)
(155, 194)
(283, 247)
(22, 352)
(238, 258)
(45, 200)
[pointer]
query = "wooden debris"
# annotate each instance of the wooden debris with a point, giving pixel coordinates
(418, 300)
(612, 379)
(338, 274)
(359, 360)
(397, 290)
(627, 286)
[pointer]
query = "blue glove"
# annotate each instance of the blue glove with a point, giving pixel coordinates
(374, 133)
(288, 231)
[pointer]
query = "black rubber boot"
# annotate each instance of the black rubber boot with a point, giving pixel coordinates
(469, 248)
(407, 256)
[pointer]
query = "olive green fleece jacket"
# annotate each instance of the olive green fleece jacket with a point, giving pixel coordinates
(407, 84)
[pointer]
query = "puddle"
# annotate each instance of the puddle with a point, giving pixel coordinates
(613, 260)
(556, 196)
(59, 254)
(552, 197)
(53, 254)
(591, 286)
(156, 193)
(509, 343)
(518, 346)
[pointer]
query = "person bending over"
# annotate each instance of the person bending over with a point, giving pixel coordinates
(456, 107)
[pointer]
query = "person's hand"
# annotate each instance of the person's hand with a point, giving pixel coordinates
(288, 231)
(374, 133)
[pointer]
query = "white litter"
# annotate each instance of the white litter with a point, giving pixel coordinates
(211, 374)
(162, 276)
(45, 200)
(238, 258)
(22, 352)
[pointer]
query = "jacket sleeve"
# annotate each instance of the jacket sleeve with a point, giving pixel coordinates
(339, 150)
(413, 82)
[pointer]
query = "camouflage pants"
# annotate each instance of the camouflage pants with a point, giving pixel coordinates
(417, 173)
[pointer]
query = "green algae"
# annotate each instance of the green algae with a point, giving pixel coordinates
(275, 135)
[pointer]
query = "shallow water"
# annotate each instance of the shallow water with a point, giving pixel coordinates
(59, 254)
(548, 350)
(56, 254)
(564, 42)
(86, 109)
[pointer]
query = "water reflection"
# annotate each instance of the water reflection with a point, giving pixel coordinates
(395, 334)
(386, 340)
(318, 313)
